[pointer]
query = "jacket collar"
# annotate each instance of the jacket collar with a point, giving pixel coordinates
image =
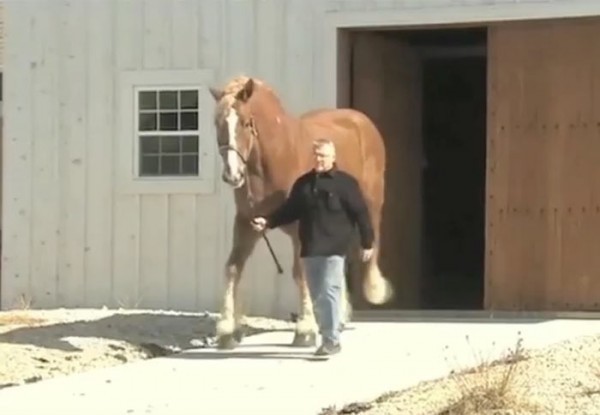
(331, 172)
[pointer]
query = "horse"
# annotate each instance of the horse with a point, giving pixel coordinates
(264, 149)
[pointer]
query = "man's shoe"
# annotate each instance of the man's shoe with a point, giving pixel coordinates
(328, 349)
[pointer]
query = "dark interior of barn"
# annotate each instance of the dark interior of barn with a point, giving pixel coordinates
(450, 105)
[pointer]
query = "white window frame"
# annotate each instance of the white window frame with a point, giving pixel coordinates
(128, 146)
(139, 134)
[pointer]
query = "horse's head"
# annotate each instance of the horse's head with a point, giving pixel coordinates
(236, 130)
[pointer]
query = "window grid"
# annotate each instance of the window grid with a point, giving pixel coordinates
(167, 115)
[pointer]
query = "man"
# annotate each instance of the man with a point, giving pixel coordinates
(328, 204)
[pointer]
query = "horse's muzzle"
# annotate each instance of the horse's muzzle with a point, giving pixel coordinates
(234, 181)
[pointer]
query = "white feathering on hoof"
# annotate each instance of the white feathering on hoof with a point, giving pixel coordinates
(225, 327)
(377, 289)
(306, 325)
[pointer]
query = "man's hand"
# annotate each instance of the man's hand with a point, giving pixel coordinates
(366, 254)
(259, 224)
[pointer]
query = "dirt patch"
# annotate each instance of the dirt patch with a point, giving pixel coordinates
(563, 379)
(41, 344)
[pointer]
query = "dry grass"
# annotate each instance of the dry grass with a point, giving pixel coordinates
(492, 387)
(16, 318)
(594, 388)
(21, 315)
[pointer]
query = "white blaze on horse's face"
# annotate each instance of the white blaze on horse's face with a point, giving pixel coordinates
(233, 172)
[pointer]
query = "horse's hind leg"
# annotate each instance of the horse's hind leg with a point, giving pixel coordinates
(228, 327)
(306, 326)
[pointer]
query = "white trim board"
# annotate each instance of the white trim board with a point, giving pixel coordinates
(381, 14)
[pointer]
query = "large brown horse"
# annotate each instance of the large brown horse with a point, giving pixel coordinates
(264, 150)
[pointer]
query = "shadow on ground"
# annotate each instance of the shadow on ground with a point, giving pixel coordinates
(160, 334)
(163, 334)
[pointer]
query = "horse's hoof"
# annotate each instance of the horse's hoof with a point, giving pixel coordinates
(227, 342)
(304, 340)
(238, 335)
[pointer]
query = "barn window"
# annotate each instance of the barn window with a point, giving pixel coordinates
(168, 132)
(166, 140)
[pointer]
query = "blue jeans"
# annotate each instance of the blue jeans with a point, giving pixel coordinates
(325, 279)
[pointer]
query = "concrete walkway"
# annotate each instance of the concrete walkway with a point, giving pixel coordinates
(264, 376)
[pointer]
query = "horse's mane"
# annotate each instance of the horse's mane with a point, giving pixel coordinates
(230, 90)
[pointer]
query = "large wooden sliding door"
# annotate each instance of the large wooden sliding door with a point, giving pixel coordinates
(543, 189)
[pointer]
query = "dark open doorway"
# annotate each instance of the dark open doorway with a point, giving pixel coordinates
(426, 91)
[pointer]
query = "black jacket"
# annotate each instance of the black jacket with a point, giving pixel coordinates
(328, 206)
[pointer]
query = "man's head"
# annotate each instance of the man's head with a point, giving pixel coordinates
(324, 154)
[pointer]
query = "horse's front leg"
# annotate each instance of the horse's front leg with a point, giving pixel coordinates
(229, 332)
(306, 326)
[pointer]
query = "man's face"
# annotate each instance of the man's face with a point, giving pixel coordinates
(324, 158)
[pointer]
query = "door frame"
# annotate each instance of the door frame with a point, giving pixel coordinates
(330, 40)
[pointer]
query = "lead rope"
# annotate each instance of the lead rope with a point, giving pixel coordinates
(250, 198)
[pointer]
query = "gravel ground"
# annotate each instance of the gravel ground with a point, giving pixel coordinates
(41, 344)
(562, 379)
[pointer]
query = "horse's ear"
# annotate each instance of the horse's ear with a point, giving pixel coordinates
(216, 93)
(246, 92)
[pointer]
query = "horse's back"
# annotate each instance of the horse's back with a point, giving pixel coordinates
(353, 133)
(359, 145)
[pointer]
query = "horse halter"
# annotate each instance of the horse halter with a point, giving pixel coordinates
(227, 147)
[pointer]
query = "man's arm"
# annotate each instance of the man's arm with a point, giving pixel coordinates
(289, 211)
(359, 212)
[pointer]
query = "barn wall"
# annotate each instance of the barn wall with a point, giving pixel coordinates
(2, 33)
(73, 236)
(543, 178)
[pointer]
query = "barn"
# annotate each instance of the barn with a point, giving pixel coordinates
(111, 191)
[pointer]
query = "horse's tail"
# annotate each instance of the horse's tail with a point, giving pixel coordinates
(376, 288)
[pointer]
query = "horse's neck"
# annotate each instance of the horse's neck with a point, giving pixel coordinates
(272, 162)
(278, 150)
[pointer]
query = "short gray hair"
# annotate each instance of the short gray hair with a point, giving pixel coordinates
(323, 142)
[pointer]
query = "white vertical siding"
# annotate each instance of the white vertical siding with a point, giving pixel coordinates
(98, 254)
(18, 154)
(71, 236)
(73, 118)
(2, 33)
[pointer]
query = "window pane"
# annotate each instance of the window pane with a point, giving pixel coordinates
(168, 121)
(170, 165)
(189, 99)
(170, 145)
(189, 144)
(189, 165)
(149, 145)
(149, 166)
(147, 100)
(189, 121)
(147, 122)
(168, 100)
